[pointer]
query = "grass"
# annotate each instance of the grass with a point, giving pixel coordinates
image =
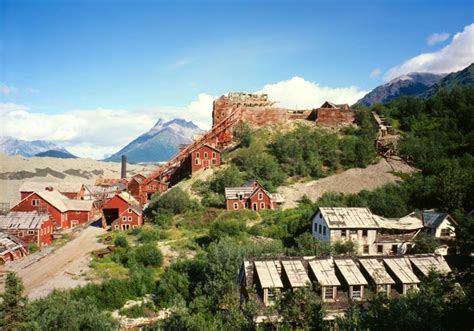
(106, 268)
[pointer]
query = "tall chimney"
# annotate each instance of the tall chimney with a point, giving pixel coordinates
(124, 167)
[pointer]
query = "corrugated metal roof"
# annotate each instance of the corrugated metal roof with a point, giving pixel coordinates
(9, 243)
(324, 272)
(64, 204)
(408, 223)
(296, 273)
(341, 217)
(127, 197)
(23, 220)
(428, 263)
(268, 275)
(350, 272)
(376, 271)
(402, 269)
(232, 193)
(63, 187)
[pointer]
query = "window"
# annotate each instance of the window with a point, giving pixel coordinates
(366, 249)
(380, 249)
(320, 228)
(324, 230)
(445, 232)
(236, 206)
(262, 205)
(35, 202)
(364, 233)
(394, 249)
(260, 196)
(129, 218)
(353, 232)
(271, 296)
(356, 291)
(315, 227)
(78, 212)
(246, 204)
(116, 227)
(343, 233)
(213, 155)
(241, 196)
(134, 226)
(124, 218)
(196, 161)
(198, 155)
(328, 294)
(381, 288)
(214, 161)
(129, 211)
(205, 155)
(31, 232)
(20, 233)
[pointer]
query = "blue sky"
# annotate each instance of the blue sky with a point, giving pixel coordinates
(58, 57)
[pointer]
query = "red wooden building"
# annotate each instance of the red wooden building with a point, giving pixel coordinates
(333, 114)
(70, 190)
(64, 212)
(251, 196)
(122, 212)
(11, 248)
(31, 227)
(204, 157)
(142, 190)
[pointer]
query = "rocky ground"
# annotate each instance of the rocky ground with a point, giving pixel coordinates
(349, 181)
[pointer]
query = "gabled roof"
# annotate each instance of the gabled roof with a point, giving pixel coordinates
(61, 203)
(63, 187)
(345, 218)
(23, 220)
(136, 209)
(205, 145)
(109, 181)
(139, 178)
(324, 272)
(427, 263)
(232, 193)
(433, 219)
(296, 273)
(350, 272)
(268, 274)
(401, 268)
(376, 271)
(128, 198)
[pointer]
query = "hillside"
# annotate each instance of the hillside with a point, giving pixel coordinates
(461, 78)
(56, 154)
(160, 143)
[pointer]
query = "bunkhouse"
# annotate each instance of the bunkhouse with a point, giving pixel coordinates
(33, 227)
(204, 157)
(65, 213)
(11, 248)
(375, 235)
(377, 275)
(142, 190)
(122, 212)
(401, 271)
(337, 280)
(68, 189)
(251, 196)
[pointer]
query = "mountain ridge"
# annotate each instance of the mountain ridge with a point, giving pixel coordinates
(14, 146)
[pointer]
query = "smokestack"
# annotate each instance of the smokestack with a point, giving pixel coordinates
(124, 167)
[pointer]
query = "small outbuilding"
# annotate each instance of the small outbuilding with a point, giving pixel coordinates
(401, 271)
(352, 277)
(378, 276)
(325, 274)
(269, 283)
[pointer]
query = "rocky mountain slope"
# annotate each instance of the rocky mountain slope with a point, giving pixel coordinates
(14, 146)
(57, 154)
(461, 78)
(412, 84)
(160, 143)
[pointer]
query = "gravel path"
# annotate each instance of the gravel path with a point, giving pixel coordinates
(60, 269)
(349, 181)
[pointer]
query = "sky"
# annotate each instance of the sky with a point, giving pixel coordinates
(93, 75)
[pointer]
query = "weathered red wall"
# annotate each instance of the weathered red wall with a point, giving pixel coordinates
(334, 116)
(265, 199)
(42, 236)
(25, 205)
(136, 222)
(204, 162)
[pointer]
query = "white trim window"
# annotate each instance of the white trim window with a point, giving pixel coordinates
(129, 218)
(35, 202)
(260, 196)
(236, 205)
(262, 205)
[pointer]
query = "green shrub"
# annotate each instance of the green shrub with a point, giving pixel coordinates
(149, 255)
(344, 247)
(226, 228)
(33, 247)
(121, 241)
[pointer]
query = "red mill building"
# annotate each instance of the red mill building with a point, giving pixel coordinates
(258, 110)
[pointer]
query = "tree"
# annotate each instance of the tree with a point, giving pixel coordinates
(14, 309)
(149, 255)
(301, 309)
(307, 245)
(424, 243)
(243, 134)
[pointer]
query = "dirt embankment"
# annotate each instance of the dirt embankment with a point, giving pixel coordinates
(349, 181)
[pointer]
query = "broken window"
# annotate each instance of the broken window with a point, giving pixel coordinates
(445, 232)
(364, 233)
(356, 291)
(328, 293)
(343, 233)
(366, 249)
(380, 249)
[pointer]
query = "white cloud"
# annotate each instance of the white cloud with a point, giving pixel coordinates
(5, 89)
(436, 38)
(6, 107)
(453, 57)
(375, 73)
(302, 94)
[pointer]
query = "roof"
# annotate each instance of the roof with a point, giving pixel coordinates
(268, 275)
(408, 222)
(109, 181)
(350, 272)
(128, 198)
(277, 197)
(139, 178)
(343, 217)
(23, 220)
(402, 270)
(232, 193)
(63, 204)
(433, 219)
(9, 243)
(324, 272)
(430, 263)
(63, 187)
(376, 271)
(134, 208)
(296, 273)
(205, 145)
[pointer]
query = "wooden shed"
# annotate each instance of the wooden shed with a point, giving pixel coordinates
(325, 274)
(295, 274)
(353, 278)
(269, 280)
(400, 270)
(377, 275)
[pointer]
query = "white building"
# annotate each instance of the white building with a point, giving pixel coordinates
(374, 235)
(440, 225)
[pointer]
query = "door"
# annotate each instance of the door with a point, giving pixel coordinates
(255, 206)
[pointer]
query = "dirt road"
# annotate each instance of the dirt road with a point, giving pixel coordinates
(60, 269)
(349, 181)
